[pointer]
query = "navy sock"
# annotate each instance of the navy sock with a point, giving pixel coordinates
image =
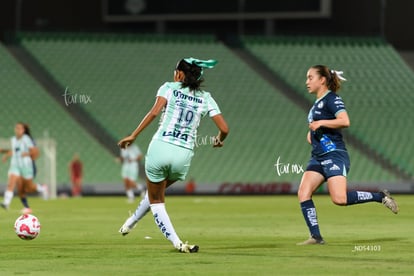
(358, 197)
(309, 213)
(24, 202)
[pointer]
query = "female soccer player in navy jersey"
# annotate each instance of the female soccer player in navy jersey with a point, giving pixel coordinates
(183, 103)
(330, 160)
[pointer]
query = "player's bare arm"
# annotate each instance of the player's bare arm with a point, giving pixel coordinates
(160, 102)
(341, 121)
(223, 130)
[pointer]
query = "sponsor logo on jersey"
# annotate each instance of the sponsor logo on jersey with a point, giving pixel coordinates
(176, 134)
(178, 94)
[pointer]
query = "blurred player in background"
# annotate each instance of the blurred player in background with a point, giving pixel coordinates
(11, 181)
(22, 168)
(330, 160)
(130, 158)
(76, 174)
(182, 103)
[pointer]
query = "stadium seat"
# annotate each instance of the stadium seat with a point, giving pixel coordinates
(123, 73)
(26, 101)
(378, 93)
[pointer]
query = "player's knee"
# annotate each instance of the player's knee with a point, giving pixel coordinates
(339, 200)
(304, 195)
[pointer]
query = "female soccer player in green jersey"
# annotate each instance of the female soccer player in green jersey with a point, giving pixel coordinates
(22, 168)
(182, 103)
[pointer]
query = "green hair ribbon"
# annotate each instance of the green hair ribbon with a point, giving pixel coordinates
(201, 63)
(210, 63)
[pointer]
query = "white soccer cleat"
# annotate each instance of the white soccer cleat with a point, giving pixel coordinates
(128, 225)
(389, 202)
(124, 230)
(4, 206)
(187, 248)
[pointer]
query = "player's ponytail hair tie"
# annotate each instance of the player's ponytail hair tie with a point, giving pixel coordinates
(338, 74)
(210, 63)
(202, 63)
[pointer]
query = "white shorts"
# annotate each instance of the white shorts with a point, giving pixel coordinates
(130, 171)
(26, 171)
(167, 161)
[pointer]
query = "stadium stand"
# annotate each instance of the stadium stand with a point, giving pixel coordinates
(121, 74)
(378, 92)
(23, 99)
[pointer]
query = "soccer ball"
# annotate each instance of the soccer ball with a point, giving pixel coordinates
(27, 227)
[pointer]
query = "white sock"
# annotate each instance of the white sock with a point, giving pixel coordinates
(164, 224)
(140, 212)
(130, 194)
(140, 187)
(8, 196)
(39, 188)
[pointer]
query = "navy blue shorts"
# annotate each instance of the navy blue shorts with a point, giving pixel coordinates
(330, 164)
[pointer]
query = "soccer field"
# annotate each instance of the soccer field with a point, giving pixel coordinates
(245, 235)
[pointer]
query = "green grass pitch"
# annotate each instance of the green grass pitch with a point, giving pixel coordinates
(244, 235)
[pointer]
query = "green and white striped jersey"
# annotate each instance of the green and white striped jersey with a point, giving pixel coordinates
(182, 114)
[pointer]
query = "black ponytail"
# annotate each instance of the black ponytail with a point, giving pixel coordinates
(193, 75)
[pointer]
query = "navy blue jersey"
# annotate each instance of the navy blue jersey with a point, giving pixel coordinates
(326, 108)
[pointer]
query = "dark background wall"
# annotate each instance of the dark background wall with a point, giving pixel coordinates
(351, 17)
